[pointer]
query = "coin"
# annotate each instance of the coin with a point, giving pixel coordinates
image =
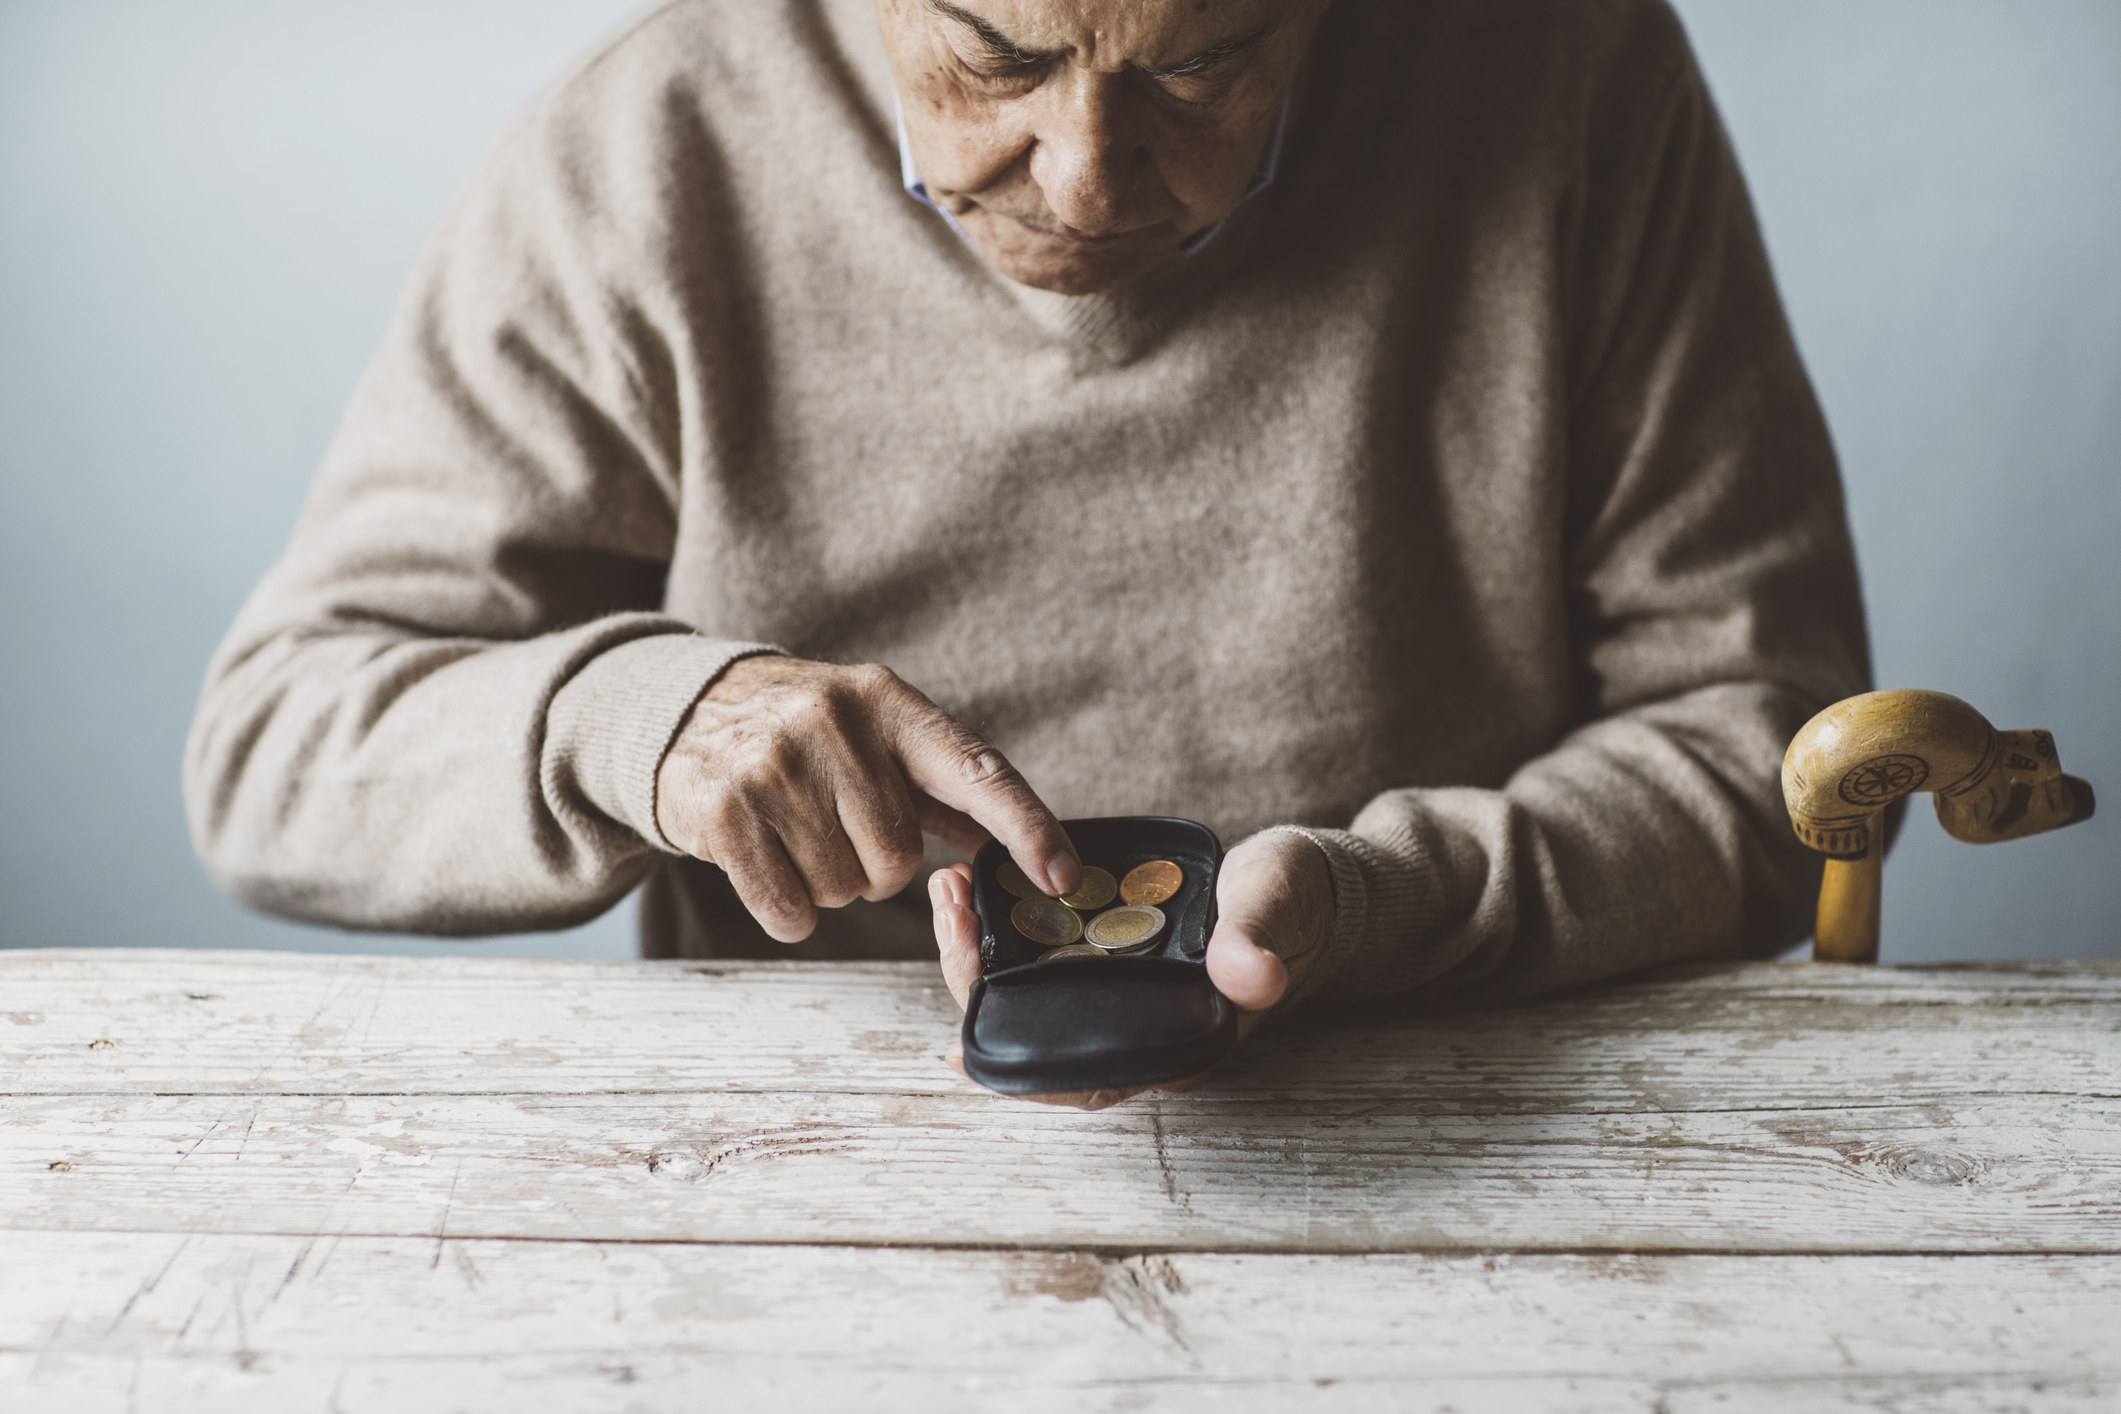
(1152, 883)
(1016, 882)
(1127, 927)
(1046, 921)
(1095, 891)
(1072, 950)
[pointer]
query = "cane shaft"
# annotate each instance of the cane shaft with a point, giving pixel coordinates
(1849, 896)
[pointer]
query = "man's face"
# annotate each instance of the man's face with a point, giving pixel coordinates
(1080, 142)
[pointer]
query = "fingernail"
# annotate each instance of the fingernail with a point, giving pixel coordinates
(1063, 873)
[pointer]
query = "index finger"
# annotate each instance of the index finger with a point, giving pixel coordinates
(956, 767)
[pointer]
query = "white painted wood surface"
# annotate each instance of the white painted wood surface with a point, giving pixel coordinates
(360, 1323)
(246, 1181)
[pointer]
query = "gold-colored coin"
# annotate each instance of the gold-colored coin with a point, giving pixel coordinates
(1046, 921)
(1097, 889)
(1016, 881)
(1125, 927)
(1152, 883)
(1072, 950)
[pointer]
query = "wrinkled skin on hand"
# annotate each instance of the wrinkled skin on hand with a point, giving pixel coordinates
(811, 784)
(1274, 905)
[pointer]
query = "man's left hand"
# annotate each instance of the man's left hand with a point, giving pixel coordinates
(1274, 912)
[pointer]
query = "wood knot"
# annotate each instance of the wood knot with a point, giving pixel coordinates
(1938, 1167)
(679, 1165)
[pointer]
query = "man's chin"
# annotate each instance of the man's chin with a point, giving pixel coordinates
(1067, 268)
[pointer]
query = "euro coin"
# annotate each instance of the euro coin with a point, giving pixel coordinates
(1072, 950)
(1047, 922)
(1015, 881)
(1122, 928)
(1097, 889)
(1152, 883)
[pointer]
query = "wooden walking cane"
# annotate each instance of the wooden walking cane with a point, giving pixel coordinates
(1861, 755)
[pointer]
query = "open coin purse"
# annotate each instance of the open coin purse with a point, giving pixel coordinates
(1091, 1020)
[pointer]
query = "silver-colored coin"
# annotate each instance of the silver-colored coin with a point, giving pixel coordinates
(1047, 922)
(1147, 945)
(1073, 950)
(1127, 928)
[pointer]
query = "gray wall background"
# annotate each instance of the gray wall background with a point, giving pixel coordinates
(206, 211)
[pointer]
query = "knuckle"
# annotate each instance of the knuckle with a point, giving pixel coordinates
(835, 895)
(771, 901)
(826, 710)
(894, 871)
(845, 880)
(765, 764)
(808, 707)
(900, 858)
(978, 764)
(874, 679)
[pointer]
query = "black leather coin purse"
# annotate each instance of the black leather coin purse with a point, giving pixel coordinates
(1105, 1021)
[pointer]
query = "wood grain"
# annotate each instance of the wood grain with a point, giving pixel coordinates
(349, 1325)
(2036, 1174)
(1771, 1035)
(241, 1181)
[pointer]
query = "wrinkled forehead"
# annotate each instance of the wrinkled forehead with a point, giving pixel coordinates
(1108, 34)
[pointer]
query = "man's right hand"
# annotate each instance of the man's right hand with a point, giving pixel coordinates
(811, 784)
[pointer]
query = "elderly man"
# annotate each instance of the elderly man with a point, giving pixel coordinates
(1369, 428)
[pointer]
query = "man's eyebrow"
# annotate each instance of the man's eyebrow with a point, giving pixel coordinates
(1214, 54)
(994, 39)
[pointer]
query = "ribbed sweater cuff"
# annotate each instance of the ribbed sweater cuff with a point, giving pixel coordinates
(609, 727)
(1387, 899)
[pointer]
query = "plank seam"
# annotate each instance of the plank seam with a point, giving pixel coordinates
(1122, 1252)
(2098, 1377)
(1309, 1106)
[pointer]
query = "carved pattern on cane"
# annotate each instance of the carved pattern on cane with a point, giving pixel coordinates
(1884, 779)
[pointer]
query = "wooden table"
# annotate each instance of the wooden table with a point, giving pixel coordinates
(241, 1181)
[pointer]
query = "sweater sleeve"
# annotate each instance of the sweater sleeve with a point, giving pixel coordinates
(1714, 608)
(443, 710)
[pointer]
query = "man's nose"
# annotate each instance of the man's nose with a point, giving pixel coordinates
(1087, 155)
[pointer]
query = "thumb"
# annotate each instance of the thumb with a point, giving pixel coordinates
(1243, 970)
(1273, 901)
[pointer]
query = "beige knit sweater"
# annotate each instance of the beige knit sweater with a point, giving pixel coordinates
(1464, 501)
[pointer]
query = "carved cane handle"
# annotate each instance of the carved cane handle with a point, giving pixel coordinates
(1861, 755)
